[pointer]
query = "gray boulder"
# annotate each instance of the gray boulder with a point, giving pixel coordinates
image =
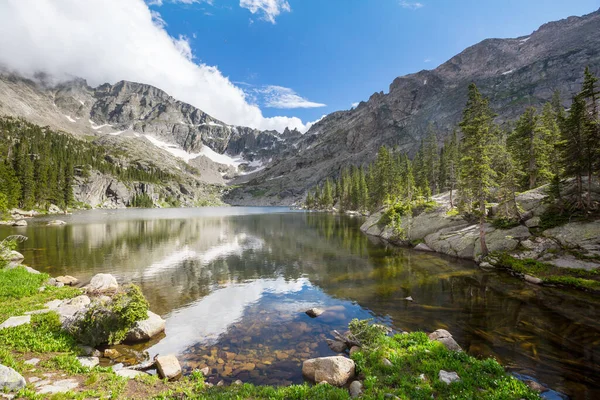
(10, 379)
(356, 389)
(146, 329)
(448, 377)
(335, 370)
(444, 337)
(101, 283)
(20, 222)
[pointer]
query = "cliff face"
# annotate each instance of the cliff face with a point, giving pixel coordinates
(513, 73)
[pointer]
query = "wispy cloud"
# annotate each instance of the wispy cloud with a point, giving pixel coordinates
(427, 60)
(411, 5)
(157, 19)
(354, 105)
(269, 9)
(282, 97)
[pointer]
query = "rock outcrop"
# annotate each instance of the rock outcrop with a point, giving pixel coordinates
(455, 236)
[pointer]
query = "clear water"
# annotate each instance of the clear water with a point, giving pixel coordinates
(233, 285)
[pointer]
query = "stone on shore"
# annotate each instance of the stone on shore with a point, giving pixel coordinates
(14, 255)
(356, 389)
(335, 370)
(61, 386)
(146, 329)
(102, 283)
(67, 280)
(16, 321)
(314, 312)
(10, 379)
(20, 222)
(448, 377)
(129, 373)
(444, 337)
(89, 362)
(168, 367)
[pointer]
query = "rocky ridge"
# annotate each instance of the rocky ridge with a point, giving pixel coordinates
(514, 73)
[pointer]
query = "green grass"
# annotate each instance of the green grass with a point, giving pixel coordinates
(414, 356)
(571, 277)
(19, 292)
(411, 355)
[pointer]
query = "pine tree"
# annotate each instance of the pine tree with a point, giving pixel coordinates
(476, 172)
(590, 94)
(573, 145)
(529, 146)
(431, 161)
(327, 200)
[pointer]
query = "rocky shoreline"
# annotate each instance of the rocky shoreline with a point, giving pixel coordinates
(570, 246)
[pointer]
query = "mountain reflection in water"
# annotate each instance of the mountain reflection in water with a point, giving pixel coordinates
(233, 285)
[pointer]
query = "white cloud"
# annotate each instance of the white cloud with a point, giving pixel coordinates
(427, 60)
(411, 5)
(354, 105)
(112, 40)
(269, 8)
(282, 97)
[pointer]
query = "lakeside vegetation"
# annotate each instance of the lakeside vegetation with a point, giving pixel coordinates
(482, 163)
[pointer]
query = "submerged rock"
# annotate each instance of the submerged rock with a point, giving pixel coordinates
(10, 379)
(314, 312)
(336, 346)
(146, 329)
(56, 222)
(335, 370)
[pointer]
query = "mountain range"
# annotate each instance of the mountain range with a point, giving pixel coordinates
(268, 167)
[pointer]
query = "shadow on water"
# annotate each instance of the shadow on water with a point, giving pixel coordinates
(233, 284)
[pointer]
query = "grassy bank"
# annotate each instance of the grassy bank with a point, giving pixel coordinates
(551, 275)
(412, 373)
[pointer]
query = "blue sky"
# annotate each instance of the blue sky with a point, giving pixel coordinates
(336, 52)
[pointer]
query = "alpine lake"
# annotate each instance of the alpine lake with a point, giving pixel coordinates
(233, 284)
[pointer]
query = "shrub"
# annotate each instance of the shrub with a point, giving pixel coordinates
(109, 322)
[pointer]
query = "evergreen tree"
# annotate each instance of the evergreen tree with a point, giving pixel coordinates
(327, 199)
(590, 94)
(573, 145)
(476, 172)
